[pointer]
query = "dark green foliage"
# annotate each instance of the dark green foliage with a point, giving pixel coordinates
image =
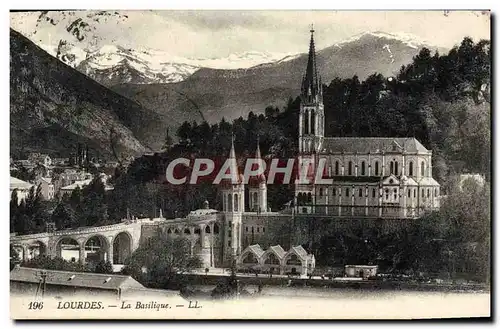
(64, 217)
(56, 263)
(31, 214)
(14, 257)
(164, 261)
(104, 267)
(227, 287)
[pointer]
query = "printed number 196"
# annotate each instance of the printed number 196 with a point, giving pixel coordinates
(35, 305)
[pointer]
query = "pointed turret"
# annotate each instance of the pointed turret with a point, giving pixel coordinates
(233, 163)
(257, 153)
(311, 87)
(257, 188)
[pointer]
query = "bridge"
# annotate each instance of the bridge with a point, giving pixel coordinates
(113, 243)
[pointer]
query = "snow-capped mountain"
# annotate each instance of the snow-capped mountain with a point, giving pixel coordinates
(85, 41)
(408, 39)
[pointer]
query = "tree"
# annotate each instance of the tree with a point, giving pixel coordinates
(227, 287)
(104, 267)
(164, 260)
(14, 257)
(63, 216)
(56, 263)
(14, 211)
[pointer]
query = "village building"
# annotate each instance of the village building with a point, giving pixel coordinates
(28, 281)
(47, 188)
(21, 188)
(40, 158)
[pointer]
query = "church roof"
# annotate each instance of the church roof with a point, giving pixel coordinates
(428, 181)
(278, 250)
(299, 251)
(372, 144)
(255, 249)
(357, 179)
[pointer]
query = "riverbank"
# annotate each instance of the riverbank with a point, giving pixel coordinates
(212, 280)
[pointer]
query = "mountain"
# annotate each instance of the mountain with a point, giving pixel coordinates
(53, 107)
(218, 93)
(84, 40)
(112, 65)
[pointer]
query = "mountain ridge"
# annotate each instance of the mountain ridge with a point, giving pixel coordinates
(48, 98)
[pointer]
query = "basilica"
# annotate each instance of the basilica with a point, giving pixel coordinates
(363, 179)
(369, 177)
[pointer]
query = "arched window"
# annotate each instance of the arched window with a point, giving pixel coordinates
(410, 170)
(350, 168)
(436, 192)
(207, 229)
(414, 193)
(392, 168)
(236, 202)
(309, 197)
(255, 201)
(347, 191)
(428, 193)
(360, 192)
(313, 122)
(409, 193)
(373, 193)
(216, 228)
(334, 191)
(320, 191)
(396, 170)
(395, 191)
(229, 202)
(423, 195)
(337, 170)
(306, 122)
(387, 194)
(422, 169)
(376, 168)
(363, 169)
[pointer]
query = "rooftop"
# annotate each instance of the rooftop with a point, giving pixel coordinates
(16, 183)
(372, 144)
(75, 279)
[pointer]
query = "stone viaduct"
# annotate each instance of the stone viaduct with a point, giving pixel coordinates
(115, 243)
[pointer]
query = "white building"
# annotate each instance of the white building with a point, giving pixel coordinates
(48, 191)
(21, 187)
(276, 260)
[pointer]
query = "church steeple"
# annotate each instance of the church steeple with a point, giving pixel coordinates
(311, 83)
(312, 116)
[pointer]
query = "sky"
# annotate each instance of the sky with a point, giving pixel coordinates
(211, 34)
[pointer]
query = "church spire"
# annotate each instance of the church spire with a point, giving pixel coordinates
(257, 153)
(232, 153)
(310, 84)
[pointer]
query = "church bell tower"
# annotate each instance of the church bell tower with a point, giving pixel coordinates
(311, 115)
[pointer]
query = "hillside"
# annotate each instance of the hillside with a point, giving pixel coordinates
(53, 106)
(221, 93)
